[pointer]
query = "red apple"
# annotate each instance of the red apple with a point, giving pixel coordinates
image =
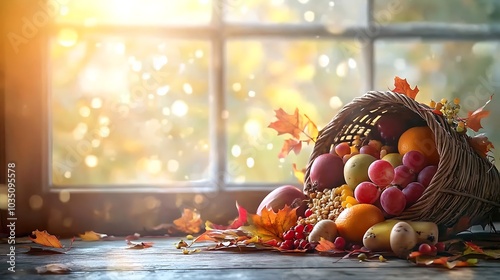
(327, 172)
(284, 195)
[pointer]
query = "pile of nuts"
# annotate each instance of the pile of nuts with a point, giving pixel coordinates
(326, 204)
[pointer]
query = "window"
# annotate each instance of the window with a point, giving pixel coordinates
(126, 111)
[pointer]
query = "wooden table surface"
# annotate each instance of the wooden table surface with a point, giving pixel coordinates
(112, 260)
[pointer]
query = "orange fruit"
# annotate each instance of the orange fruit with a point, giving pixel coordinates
(353, 222)
(419, 138)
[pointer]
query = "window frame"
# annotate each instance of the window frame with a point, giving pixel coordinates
(25, 119)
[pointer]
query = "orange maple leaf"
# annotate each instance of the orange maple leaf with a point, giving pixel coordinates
(325, 245)
(300, 174)
(474, 118)
(270, 225)
(402, 87)
(189, 222)
(45, 239)
(287, 123)
(238, 222)
(290, 145)
(481, 144)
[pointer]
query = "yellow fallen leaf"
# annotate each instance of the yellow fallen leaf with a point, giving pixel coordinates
(45, 239)
(92, 236)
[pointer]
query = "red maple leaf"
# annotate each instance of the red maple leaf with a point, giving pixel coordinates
(290, 145)
(287, 123)
(236, 223)
(402, 87)
(474, 118)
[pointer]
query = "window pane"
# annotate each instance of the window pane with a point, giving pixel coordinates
(457, 11)
(132, 12)
(332, 13)
(317, 77)
(465, 69)
(128, 110)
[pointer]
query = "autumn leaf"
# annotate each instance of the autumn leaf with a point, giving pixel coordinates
(238, 222)
(271, 225)
(139, 245)
(448, 262)
(294, 124)
(190, 222)
(474, 118)
(287, 123)
(219, 235)
(402, 87)
(290, 145)
(300, 174)
(326, 246)
(473, 249)
(92, 236)
(45, 239)
(481, 144)
(312, 129)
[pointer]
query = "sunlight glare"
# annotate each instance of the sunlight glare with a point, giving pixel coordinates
(172, 165)
(154, 165)
(236, 150)
(188, 89)
(250, 162)
(67, 37)
(179, 108)
(335, 102)
(91, 161)
(323, 60)
(252, 128)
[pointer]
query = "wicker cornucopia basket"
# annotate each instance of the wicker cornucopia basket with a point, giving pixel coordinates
(466, 184)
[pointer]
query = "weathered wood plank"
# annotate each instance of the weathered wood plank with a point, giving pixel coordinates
(112, 260)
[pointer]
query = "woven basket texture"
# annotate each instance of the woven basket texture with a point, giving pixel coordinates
(465, 185)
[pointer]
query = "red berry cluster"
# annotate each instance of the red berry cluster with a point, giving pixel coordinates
(296, 238)
(431, 250)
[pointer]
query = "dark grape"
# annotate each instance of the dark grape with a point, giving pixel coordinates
(414, 160)
(403, 176)
(390, 127)
(425, 176)
(393, 201)
(413, 191)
